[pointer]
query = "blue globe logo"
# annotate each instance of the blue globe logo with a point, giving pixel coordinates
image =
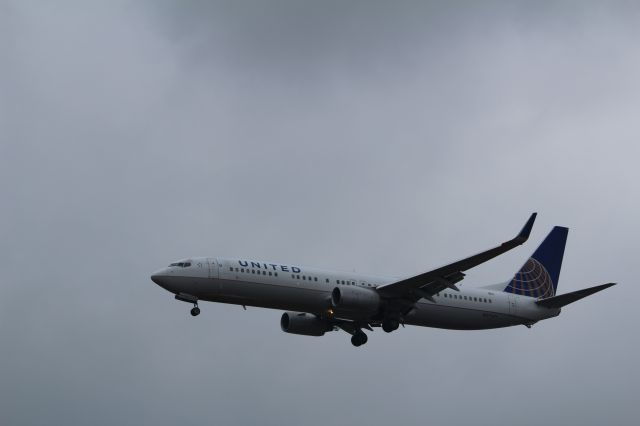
(532, 280)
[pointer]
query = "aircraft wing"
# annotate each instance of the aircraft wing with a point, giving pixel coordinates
(429, 283)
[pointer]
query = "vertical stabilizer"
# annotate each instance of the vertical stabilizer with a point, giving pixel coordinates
(539, 276)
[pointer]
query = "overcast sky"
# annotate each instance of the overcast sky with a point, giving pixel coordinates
(381, 137)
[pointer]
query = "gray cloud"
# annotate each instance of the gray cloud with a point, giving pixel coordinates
(386, 138)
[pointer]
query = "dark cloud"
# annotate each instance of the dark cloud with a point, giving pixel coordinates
(384, 137)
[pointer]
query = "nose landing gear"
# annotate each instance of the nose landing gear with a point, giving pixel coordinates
(183, 297)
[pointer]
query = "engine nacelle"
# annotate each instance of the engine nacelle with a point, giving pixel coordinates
(355, 300)
(303, 323)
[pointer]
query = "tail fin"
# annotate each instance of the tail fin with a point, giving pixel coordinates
(538, 277)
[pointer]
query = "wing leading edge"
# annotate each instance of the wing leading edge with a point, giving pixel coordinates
(429, 283)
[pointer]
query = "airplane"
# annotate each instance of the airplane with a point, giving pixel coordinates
(317, 301)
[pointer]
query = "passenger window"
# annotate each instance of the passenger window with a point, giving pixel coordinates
(242, 270)
(327, 280)
(264, 272)
(298, 276)
(315, 278)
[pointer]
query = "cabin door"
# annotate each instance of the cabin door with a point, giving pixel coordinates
(513, 304)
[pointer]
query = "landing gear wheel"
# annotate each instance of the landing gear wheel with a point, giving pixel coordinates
(195, 311)
(363, 339)
(359, 339)
(389, 325)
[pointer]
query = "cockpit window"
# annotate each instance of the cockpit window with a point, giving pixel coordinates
(181, 264)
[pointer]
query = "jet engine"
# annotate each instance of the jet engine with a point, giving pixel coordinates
(303, 323)
(355, 300)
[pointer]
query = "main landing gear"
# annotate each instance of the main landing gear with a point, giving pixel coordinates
(390, 324)
(359, 338)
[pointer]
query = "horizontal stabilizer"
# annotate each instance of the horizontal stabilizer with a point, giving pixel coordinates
(564, 299)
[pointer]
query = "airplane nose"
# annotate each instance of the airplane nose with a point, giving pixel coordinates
(155, 278)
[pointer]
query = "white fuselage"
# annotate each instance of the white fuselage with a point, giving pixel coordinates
(301, 289)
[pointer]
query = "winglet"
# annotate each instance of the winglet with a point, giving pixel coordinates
(526, 230)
